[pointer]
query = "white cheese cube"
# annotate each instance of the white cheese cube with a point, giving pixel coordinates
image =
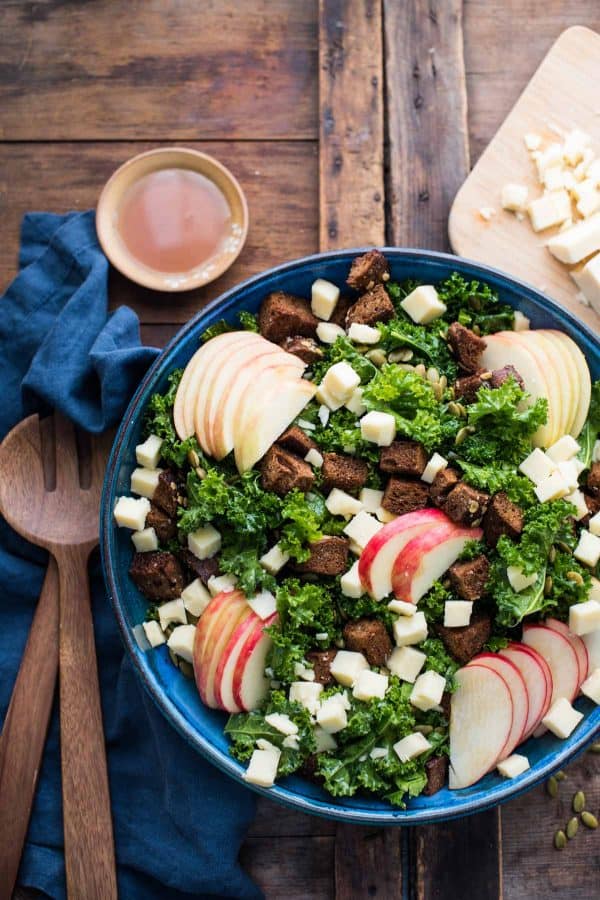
(145, 481)
(181, 641)
(402, 607)
(591, 686)
(514, 197)
(355, 403)
(552, 488)
(378, 753)
(221, 584)
(551, 156)
(521, 322)
(263, 604)
(262, 768)
(307, 694)
(148, 453)
(587, 279)
(323, 298)
(350, 583)
(370, 499)
(314, 458)
(594, 524)
(575, 145)
(281, 722)
(145, 540)
(517, 580)
(550, 209)
(172, 611)
(195, 597)
(363, 334)
(532, 141)
(355, 548)
(263, 744)
(563, 449)
(306, 425)
(274, 559)
(323, 415)
(487, 213)
(587, 550)
(329, 332)
(131, 513)
(385, 516)
(340, 381)
(369, 685)
(589, 204)
(423, 305)
(153, 632)
(324, 741)
(204, 542)
(428, 690)
(457, 613)
(594, 591)
(411, 746)
(584, 617)
(339, 503)
(553, 178)
(326, 399)
(361, 528)
(346, 665)
(513, 765)
(378, 428)
(406, 663)
(291, 741)
(302, 671)
(569, 470)
(537, 466)
(580, 241)
(410, 629)
(577, 499)
(561, 719)
(436, 464)
(331, 715)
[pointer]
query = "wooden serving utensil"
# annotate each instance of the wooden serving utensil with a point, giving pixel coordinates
(65, 520)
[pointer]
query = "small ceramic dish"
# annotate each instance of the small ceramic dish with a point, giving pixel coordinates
(127, 175)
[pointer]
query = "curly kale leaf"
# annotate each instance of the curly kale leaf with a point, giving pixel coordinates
(342, 435)
(439, 661)
(303, 516)
(426, 342)
(493, 478)
(591, 429)
(247, 321)
(158, 420)
(474, 304)
(239, 504)
(343, 350)
(410, 399)
(432, 604)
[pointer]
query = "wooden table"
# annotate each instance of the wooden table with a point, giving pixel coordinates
(376, 156)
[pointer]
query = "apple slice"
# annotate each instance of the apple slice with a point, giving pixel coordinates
(518, 692)
(556, 376)
(585, 382)
(481, 717)
(577, 644)
(570, 383)
(377, 559)
(592, 645)
(538, 681)
(558, 652)
(426, 557)
(223, 685)
(214, 629)
(249, 683)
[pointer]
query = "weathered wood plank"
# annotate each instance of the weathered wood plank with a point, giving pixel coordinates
(368, 862)
(158, 71)
(351, 123)
(427, 118)
(274, 820)
(294, 868)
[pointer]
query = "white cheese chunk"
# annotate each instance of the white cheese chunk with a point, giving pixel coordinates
(369, 685)
(339, 503)
(589, 204)
(346, 665)
(323, 415)
(378, 428)
(378, 753)
(574, 147)
(281, 722)
(172, 611)
(154, 633)
(306, 425)
(561, 719)
(410, 629)
(513, 765)
(355, 548)
(457, 613)
(569, 470)
(340, 381)
(514, 197)
(594, 524)
(553, 178)
(423, 305)
(291, 741)
(385, 516)
(274, 559)
(435, 465)
(402, 607)
(355, 403)
(327, 399)
(591, 686)
(428, 690)
(262, 768)
(551, 156)
(587, 550)
(263, 744)
(331, 715)
(552, 488)
(521, 322)
(131, 513)
(363, 334)
(204, 542)
(361, 528)
(406, 663)
(580, 241)
(324, 741)
(487, 213)
(587, 279)
(145, 481)
(594, 591)
(329, 332)
(314, 458)
(302, 671)
(307, 694)
(537, 466)
(517, 580)
(148, 453)
(411, 746)
(221, 584)
(145, 540)
(584, 617)
(532, 141)
(370, 499)
(350, 583)
(563, 449)
(181, 641)
(577, 499)
(195, 597)
(263, 604)
(550, 209)
(323, 298)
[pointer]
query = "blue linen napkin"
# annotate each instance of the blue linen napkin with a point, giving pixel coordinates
(178, 822)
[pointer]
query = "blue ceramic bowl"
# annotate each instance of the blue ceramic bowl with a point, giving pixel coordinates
(175, 695)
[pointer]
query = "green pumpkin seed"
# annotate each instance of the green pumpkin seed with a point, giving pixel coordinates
(552, 554)
(433, 375)
(193, 458)
(560, 840)
(578, 802)
(548, 585)
(560, 776)
(552, 786)
(462, 435)
(377, 357)
(476, 330)
(575, 576)
(589, 819)
(572, 826)
(443, 382)
(421, 370)
(438, 391)
(402, 355)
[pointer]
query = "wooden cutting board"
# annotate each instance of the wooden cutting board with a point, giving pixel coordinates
(563, 94)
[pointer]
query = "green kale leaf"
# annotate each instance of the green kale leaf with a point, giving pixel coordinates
(591, 429)
(493, 478)
(439, 661)
(426, 342)
(474, 304)
(158, 420)
(343, 350)
(410, 399)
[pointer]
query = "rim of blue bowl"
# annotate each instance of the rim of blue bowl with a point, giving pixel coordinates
(497, 794)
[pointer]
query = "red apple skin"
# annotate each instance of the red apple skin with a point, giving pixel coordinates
(413, 559)
(564, 667)
(253, 642)
(576, 642)
(215, 624)
(243, 627)
(518, 692)
(538, 679)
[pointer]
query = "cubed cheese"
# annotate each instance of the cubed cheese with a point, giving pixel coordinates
(428, 690)
(340, 381)
(553, 178)
(145, 540)
(181, 641)
(551, 156)
(580, 241)
(302, 671)
(594, 524)
(423, 305)
(561, 719)
(569, 470)
(577, 499)
(307, 694)
(410, 629)
(574, 147)
(291, 741)
(172, 611)
(314, 458)
(436, 464)
(591, 686)
(263, 604)
(350, 583)
(378, 428)
(587, 550)
(148, 453)
(281, 722)
(594, 591)
(328, 332)
(584, 617)
(339, 503)
(323, 415)
(306, 425)
(406, 663)
(324, 740)
(363, 334)
(513, 765)
(521, 322)
(532, 141)
(355, 403)
(589, 204)
(131, 513)
(145, 481)
(346, 665)
(411, 746)
(204, 542)
(331, 715)
(195, 597)
(221, 584)
(552, 488)
(323, 298)
(587, 279)
(564, 449)
(370, 499)
(262, 768)
(402, 607)
(457, 613)
(369, 685)
(514, 197)
(326, 399)
(154, 633)
(385, 516)
(517, 580)
(361, 528)
(549, 209)
(274, 559)
(537, 466)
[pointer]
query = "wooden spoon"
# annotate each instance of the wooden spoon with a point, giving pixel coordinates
(65, 521)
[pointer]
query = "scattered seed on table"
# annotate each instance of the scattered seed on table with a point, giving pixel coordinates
(572, 826)
(578, 801)
(589, 819)
(552, 786)
(560, 840)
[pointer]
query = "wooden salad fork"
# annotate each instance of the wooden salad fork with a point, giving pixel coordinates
(50, 494)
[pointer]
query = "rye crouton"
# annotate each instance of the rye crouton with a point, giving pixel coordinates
(282, 316)
(466, 642)
(369, 637)
(198, 568)
(158, 575)
(321, 662)
(344, 472)
(466, 388)
(403, 496)
(329, 556)
(465, 505)
(502, 517)
(436, 770)
(499, 376)
(165, 526)
(282, 472)
(368, 270)
(593, 479)
(403, 458)
(338, 316)
(469, 578)
(168, 494)
(442, 484)
(467, 347)
(373, 307)
(304, 348)
(296, 441)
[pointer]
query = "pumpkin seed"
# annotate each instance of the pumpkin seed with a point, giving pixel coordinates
(589, 819)
(377, 357)
(476, 330)
(443, 382)
(421, 370)
(424, 729)
(485, 376)
(575, 576)
(594, 748)
(578, 802)
(433, 375)
(402, 355)
(552, 786)
(572, 826)
(462, 435)
(552, 554)
(560, 840)
(438, 391)
(193, 458)
(200, 472)
(548, 585)
(564, 547)
(454, 408)
(560, 775)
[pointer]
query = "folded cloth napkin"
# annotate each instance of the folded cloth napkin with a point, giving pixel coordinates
(178, 822)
